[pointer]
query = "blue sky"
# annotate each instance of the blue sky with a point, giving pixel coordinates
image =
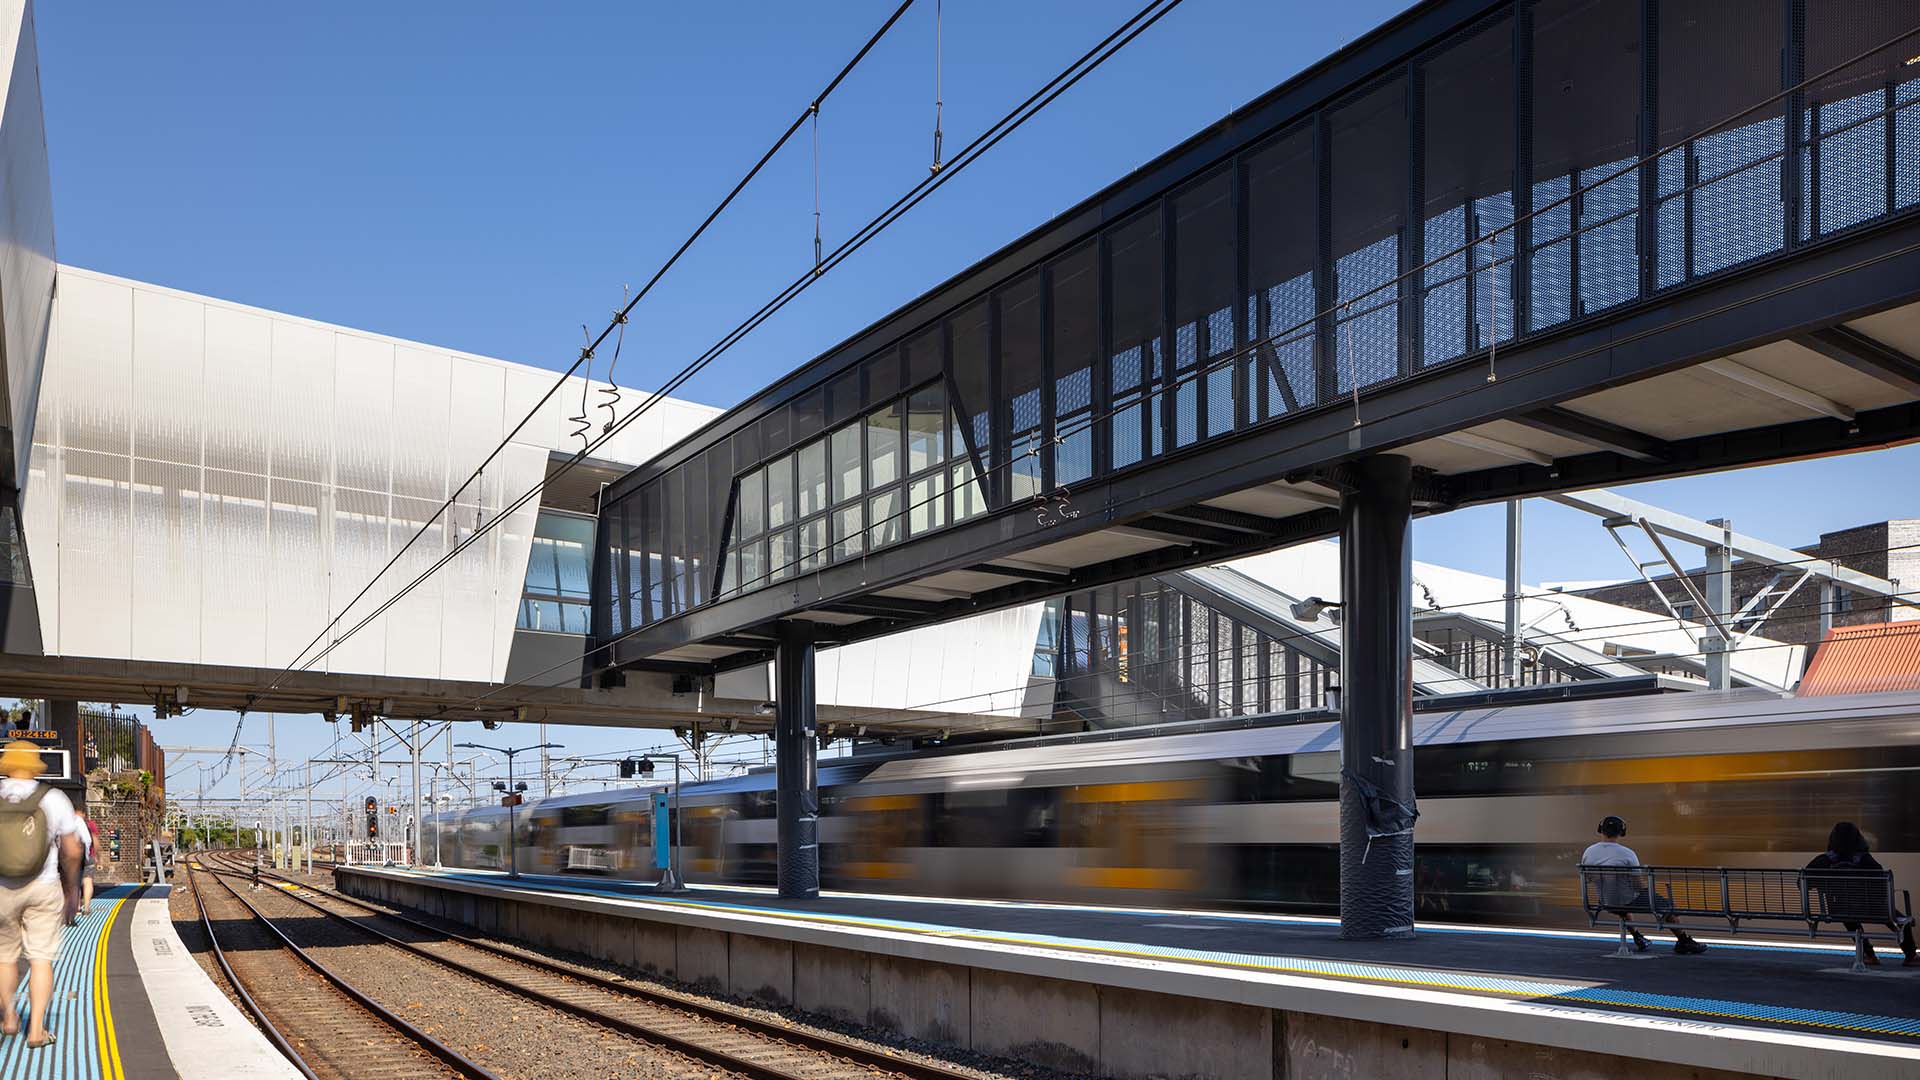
(483, 177)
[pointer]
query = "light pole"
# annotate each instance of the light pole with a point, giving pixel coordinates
(513, 794)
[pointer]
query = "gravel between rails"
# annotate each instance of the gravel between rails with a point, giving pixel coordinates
(982, 1066)
(186, 923)
(334, 1035)
(507, 1034)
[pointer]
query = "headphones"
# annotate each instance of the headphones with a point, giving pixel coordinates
(1611, 826)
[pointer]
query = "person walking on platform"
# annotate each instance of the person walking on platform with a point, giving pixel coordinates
(1847, 850)
(40, 854)
(86, 863)
(1627, 893)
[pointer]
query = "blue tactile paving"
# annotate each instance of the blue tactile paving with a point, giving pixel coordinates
(85, 1047)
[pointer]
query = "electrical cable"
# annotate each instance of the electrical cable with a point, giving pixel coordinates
(1059, 85)
(699, 230)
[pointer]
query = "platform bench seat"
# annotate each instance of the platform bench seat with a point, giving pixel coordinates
(1761, 900)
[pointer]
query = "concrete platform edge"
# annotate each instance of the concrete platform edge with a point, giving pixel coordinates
(1650, 1037)
(206, 1036)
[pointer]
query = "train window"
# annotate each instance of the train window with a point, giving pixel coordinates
(573, 817)
(1291, 778)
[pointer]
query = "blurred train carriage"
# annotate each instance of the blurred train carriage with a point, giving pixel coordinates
(1243, 813)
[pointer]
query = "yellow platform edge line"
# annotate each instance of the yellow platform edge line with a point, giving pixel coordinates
(109, 1041)
(1256, 966)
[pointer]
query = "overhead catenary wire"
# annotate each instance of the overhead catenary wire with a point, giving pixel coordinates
(1088, 62)
(993, 137)
(625, 311)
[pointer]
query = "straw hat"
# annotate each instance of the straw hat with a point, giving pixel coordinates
(21, 760)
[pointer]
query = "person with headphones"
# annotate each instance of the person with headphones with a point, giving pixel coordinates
(1626, 893)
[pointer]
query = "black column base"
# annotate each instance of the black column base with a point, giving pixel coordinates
(797, 790)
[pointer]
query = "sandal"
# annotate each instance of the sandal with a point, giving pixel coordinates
(31, 1045)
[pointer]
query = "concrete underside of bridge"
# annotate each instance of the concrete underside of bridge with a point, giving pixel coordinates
(652, 700)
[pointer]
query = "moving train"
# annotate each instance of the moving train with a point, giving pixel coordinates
(1243, 813)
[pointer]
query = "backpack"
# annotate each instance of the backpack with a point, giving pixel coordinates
(23, 836)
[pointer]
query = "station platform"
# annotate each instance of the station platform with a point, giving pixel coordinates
(1140, 991)
(130, 1002)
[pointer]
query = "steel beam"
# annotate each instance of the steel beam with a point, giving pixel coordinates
(1376, 707)
(1598, 434)
(1865, 355)
(1606, 504)
(1835, 280)
(1778, 388)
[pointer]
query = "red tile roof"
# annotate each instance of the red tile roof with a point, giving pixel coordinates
(1864, 660)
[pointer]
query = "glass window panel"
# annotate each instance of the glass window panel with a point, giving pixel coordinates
(543, 569)
(752, 512)
(813, 543)
(1468, 180)
(1205, 264)
(811, 462)
(1135, 323)
(926, 427)
(1283, 193)
(848, 532)
(753, 565)
(969, 381)
(968, 499)
(883, 445)
(927, 504)
(848, 461)
(1369, 150)
(1022, 372)
(780, 492)
(1074, 313)
(782, 555)
(883, 518)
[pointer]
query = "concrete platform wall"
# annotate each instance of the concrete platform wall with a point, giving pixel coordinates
(1077, 1027)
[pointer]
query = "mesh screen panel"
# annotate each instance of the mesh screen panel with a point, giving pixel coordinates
(1282, 196)
(1369, 148)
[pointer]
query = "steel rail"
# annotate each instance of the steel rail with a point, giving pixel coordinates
(253, 1008)
(460, 1063)
(847, 1049)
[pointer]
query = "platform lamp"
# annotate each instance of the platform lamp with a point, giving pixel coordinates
(513, 791)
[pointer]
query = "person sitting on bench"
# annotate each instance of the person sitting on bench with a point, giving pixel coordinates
(1847, 850)
(1624, 894)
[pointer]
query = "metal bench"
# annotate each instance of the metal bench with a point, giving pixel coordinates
(1816, 899)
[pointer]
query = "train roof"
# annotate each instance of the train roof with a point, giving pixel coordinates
(1280, 735)
(1620, 716)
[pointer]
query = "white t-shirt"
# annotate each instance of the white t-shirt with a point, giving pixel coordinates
(61, 821)
(1608, 853)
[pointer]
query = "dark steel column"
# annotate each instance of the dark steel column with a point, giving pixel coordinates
(1376, 686)
(798, 791)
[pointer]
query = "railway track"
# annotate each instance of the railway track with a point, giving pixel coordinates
(326, 1026)
(726, 1038)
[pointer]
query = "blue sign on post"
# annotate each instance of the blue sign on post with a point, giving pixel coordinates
(661, 837)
